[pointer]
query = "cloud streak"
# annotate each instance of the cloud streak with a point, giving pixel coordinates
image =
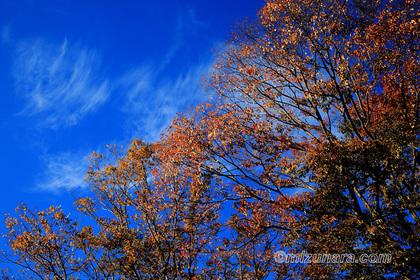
(152, 103)
(64, 172)
(60, 84)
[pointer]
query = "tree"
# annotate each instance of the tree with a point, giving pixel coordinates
(137, 228)
(316, 129)
(310, 145)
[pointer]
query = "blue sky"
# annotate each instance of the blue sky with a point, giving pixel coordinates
(77, 75)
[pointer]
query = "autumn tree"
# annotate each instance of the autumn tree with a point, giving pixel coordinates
(134, 226)
(314, 132)
(310, 144)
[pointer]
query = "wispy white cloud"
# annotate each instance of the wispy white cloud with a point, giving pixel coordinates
(152, 102)
(63, 172)
(60, 83)
(152, 98)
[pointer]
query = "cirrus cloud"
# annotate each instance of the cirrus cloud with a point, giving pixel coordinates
(60, 83)
(63, 172)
